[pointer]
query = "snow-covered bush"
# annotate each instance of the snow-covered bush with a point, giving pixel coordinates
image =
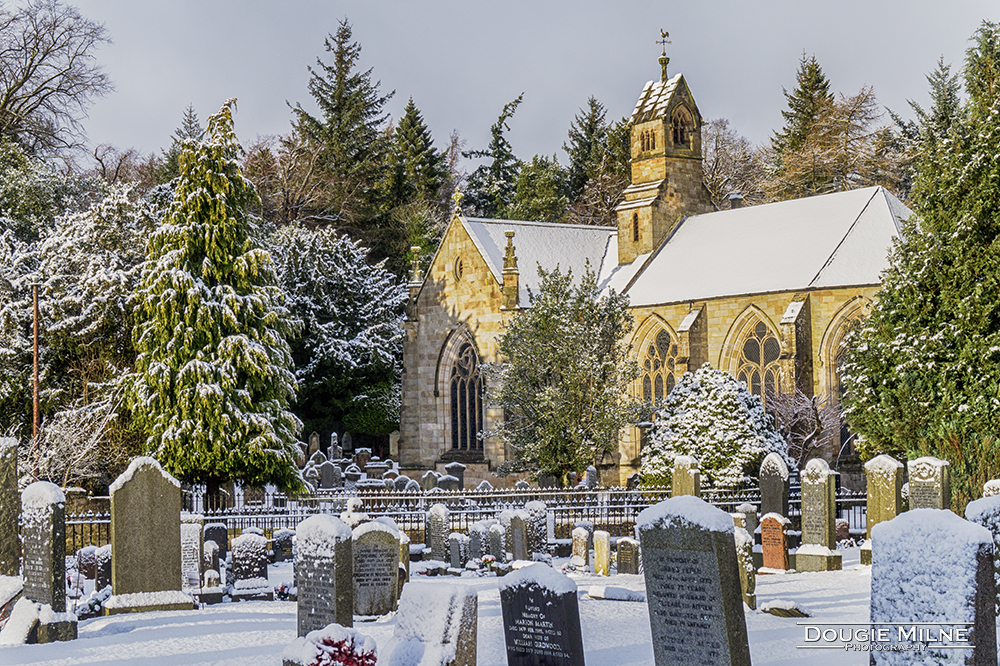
(715, 418)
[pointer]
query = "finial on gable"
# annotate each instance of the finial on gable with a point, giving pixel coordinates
(509, 258)
(663, 41)
(457, 198)
(416, 275)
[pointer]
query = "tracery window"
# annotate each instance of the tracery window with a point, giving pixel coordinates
(657, 371)
(758, 361)
(683, 127)
(466, 401)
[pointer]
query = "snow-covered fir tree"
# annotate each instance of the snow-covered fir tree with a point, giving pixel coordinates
(491, 186)
(214, 373)
(349, 354)
(715, 418)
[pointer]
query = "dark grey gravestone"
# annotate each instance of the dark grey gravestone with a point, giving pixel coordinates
(497, 550)
(429, 480)
(86, 562)
(102, 577)
(376, 568)
(353, 473)
(145, 530)
(457, 470)
(541, 618)
(537, 526)
(10, 509)
(456, 548)
(399, 483)
(218, 533)
(692, 584)
(633, 481)
(590, 480)
(335, 452)
(329, 475)
(522, 485)
(249, 556)
(412, 487)
(438, 522)
(323, 574)
(447, 482)
(930, 483)
(477, 538)
(44, 533)
(282, 547)
(774, 485)
(192, 553)
(519, 537)
(628, 556)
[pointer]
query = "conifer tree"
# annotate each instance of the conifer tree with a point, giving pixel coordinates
(214, 372)
(417, 168)
(805, 105)
(190, 130)
(491, 186)
(923, 372)
(542, 192)
(586, 147)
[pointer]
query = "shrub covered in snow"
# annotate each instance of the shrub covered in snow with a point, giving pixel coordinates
(333, 645)
(715, 418)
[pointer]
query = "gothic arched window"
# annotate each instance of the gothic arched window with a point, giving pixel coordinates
(758, 361)
(657, 368)
(466, 401)
(635, 227)
(683, 128)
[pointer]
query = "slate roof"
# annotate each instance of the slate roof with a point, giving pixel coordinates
(654, 99)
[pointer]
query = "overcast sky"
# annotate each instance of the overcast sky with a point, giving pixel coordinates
(462, 60)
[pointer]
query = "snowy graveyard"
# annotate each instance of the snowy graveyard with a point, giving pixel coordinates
(683, 582)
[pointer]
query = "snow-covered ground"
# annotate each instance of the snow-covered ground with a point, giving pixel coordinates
(615, 633)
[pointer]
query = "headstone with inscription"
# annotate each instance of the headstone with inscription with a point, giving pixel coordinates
(885, 496)
(497, 550)
(10, 509)
(192, 553)
(692, 581)
(329, 475)
(438, 530)
(774, 541)
(146, 540)
(744, 560)
(774, 485)
(376, 568)
(628, 556)
(931, 566)
(250, 568)
(323, 573)
(44, 532)
(686, 478)
(581, 546)
(219, 533)
(478, 541)
(930, 483)
(541, 618)
(437, 625)
(282, 545)
(519, 536)
(457, 550)
(602, 553)
(819, 509)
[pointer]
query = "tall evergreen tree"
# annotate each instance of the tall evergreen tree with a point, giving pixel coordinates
(542, 192)
(923, 373)
(190, 130)
(491, 186)
(418, 170)
(587, 146)
(214, 372)
(805, 105)
(606, 186)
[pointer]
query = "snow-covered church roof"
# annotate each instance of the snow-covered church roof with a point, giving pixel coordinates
(832, 240)
(655, 99)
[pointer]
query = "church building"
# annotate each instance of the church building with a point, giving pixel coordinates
(765, 292)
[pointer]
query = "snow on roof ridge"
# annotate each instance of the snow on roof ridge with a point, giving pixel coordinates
(857, 218)
(559, 225)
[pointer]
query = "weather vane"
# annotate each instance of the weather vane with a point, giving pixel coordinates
(663, 41)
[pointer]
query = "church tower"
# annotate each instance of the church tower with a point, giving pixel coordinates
(667, 182)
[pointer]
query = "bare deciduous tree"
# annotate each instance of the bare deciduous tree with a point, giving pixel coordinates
(48, 73)
(809, 424)
(731, 165)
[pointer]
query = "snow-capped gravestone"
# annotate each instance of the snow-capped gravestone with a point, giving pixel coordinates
(537, 526)
(986, 512)
(930, 483)
(590, 480)
(438, 530)
(692, 584)
(749, 512)
(458, 549)
(324, 573)
(541, 618)
(282, 547)
(774, 541)
(602, 553)
(581, 547)
(457, 470)
(102, 575)
(429, 480)
(819, 509)
(210, 556)
(686, 478)
(146, 541)
(773, 485)
(744, 560)
(478, 539)
(885, 496)
(628, 556)
(10, 509)
(192, 553)
(437, 625)
(330, 475)
(519, 536)
(250, 568)
(497, 550)
(929, 566)
(44, 535)
(376, 568)
(219, 533)
(447, 482)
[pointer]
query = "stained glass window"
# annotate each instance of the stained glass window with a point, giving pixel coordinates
(466, 401)
(657, 368)
(758, 363)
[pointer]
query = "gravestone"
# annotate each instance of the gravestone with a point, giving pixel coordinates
(522, 485)
(146, 540)
(429, 480)
(497, 549)
(43, 517)
(571, 480)
(484, 486)
(412, 487)
(282, 547)
(447, 482)
(250, 568)
(10, 509)
(313, 442)
(455, 550)
(819, 508)
(581, 547)
(628, 556)
(931, 566)
(749, 511)
(102, 576)
(991, 487)
(537, 525)
(375, 469)
(404, 554)
(400, 482)
(192, 553)
(692, 582)
(323, 574)
(218, 533)
(541, 618)
(210, 556)
(590, 479)
(744, 560)
(457, 470)
(477, 539)
(353, 474)
(602, 553)
(519, 537)
(438, 530)
(986, 512)
(361, 455)
(686, 479)
(633, 482)
(885, 496)
(336, 453)
(376, 568)
(774, 485)
(589, 526)
(329, 475)
(86, 561)
(434, 619)
(774, 541)
(930, 483)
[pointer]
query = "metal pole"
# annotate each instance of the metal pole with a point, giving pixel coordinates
(36, 420)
